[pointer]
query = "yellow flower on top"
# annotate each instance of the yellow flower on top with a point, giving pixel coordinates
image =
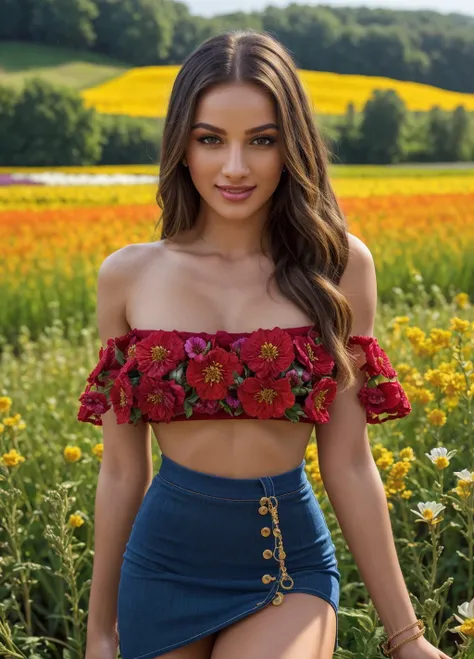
(404, 370)
(401, 320)
(426, 348)
(466, 610)
(377, 450)
(460, 325)
(415, 335)
(98, 451)
(76, 521)
(385, 460)
(72, 453)
(440, 338)
(12, 458)
(462, 300)
(421, 395)
(2, 427)
(407, 454)
(437, 417)
(406, 494)
(454, 384)
(435, 377)
(5, 404)
(9, 421)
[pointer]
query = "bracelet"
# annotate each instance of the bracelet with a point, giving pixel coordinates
(385, 649)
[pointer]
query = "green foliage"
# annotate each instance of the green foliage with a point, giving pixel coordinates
(128, 140)
(64, 22)
(50, 126)
(383, 117)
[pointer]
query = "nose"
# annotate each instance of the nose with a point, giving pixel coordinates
(235, 165)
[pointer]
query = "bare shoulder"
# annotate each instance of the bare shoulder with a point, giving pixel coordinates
(117, 275)
(359, 285)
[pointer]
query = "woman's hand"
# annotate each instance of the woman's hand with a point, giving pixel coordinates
(418, 648)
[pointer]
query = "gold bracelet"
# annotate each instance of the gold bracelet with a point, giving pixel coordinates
(385, 649)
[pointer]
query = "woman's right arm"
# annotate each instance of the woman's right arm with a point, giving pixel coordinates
(125, 473)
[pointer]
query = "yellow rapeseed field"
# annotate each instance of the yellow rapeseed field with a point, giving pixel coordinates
(145, 92)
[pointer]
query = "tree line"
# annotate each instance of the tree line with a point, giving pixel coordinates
(421, 46)
(47, 125)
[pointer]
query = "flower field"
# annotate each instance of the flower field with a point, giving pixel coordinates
(419, 226)
(329, 93)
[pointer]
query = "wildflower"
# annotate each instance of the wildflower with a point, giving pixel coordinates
(462, 300)
(406, 494)
(98, 451)
(2, 427)
(459, 325)
(5, 404)
(76, 521)
(466, 609)
(401, 320)
(21, 425)
(428, 512)
(437, 417)
(465, 477)
(415, 335)
(9, 421)
(385, 460)
(12, 458)
(453, 385)
(407, 454)
(72, 453)
(440, 338)
(435, 377)
(440, 457)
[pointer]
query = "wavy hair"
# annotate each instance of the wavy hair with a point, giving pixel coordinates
(306, 229)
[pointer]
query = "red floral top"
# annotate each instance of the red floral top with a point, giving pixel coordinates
(285, 374)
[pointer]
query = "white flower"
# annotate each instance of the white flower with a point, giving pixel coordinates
(428, 511)
(465, 475)
(440, 452)
(466, 609)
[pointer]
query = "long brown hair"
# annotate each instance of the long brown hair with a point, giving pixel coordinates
(306, 228)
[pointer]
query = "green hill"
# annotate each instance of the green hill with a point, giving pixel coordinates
(76, 69)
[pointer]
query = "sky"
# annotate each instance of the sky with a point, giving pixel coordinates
(210, 7)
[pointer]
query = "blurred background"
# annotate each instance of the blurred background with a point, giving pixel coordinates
(84, 87)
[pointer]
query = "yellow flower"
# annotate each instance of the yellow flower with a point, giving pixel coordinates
(2, 427)
(9, 421)
(377, 450)
(385, 460)
(437, 417)
(401, 320)
(407, 453)
(406, 494)
(435, 377)
(75, 521)
(12, 458)
(98, 451)
(462, 300)
(72, 453)
(459, 325)
(421, 395)
(466, 610)
(440, 338)
(5, 404)
(21, 425)
(470, 392)
(415, 335)
(403, 369)
(454, 384)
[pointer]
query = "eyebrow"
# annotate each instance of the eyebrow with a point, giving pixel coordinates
(250, 131)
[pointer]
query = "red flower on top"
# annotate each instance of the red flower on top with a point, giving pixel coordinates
(386, 397)
(268, 352)
(313, 355)
(212, 375)
(107, 362)
(319, 399)
(121, 397)
(377, 362)
(159, 400)
(127, 344)
(266, 398)
(93, 405)
(159, 353)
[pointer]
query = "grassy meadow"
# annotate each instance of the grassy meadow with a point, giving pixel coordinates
(419, 225)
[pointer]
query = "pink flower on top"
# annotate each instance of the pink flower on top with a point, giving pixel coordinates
(207, 406)
(195, 347)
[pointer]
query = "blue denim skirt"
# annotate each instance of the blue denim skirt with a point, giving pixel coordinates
(205, 551)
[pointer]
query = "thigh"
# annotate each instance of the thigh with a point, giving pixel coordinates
(304, 627)
(200, 649)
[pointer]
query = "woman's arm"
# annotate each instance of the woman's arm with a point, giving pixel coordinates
(125, 472)
(350, 475)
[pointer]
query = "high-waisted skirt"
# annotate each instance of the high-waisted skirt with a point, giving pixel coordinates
(206, 551)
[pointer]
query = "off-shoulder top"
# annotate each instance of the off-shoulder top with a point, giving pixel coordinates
(285, 374)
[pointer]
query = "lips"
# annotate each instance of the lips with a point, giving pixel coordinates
(236, 190)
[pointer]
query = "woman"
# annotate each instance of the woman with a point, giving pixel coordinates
(256, 307)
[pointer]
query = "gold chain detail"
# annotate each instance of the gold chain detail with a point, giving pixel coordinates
(279, 549)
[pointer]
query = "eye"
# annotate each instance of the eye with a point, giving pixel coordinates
(270, 140)
(207, 137)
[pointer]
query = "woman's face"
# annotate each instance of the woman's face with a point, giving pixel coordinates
(240, 146)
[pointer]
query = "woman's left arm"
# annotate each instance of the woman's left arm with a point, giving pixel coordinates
(353, 483)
